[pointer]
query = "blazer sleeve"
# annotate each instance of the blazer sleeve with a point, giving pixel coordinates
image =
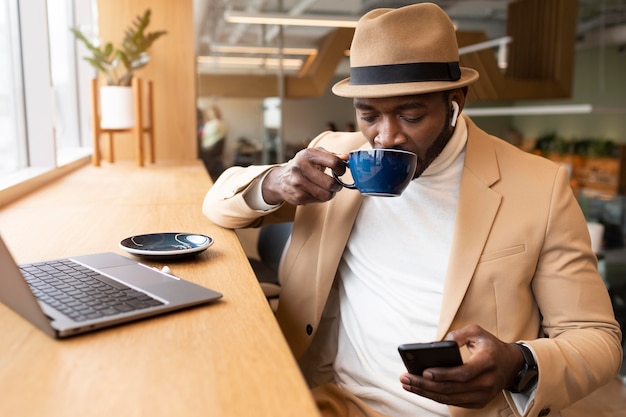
(224, 203)
(582, 348)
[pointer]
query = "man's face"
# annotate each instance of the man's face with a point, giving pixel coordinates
(419, 124)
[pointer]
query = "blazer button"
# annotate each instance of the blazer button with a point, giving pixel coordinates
(544, 412)
(309, 329)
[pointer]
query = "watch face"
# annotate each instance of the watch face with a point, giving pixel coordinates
(528, 380)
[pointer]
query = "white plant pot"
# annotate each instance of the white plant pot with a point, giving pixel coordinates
(116, 107)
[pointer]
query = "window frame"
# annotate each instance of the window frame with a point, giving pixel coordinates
(40, 160)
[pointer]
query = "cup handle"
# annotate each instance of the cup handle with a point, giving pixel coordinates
(350, 186)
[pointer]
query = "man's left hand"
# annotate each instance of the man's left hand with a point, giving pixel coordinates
(490, 368)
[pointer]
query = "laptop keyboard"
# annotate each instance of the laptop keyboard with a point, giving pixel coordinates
(81, 293)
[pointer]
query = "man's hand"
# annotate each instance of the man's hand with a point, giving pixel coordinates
(490, 369)
(302, 180)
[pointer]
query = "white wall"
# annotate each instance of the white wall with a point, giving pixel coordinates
(303, 119)
(598, 80)
(244, 118)
(306, 118)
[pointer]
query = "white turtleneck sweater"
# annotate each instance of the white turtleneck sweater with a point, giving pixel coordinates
(391, 283)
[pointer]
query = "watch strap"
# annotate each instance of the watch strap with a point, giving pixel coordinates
(527, 377)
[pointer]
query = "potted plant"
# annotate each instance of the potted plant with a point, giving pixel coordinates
(118, 66)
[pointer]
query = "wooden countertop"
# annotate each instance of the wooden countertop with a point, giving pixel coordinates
(223, 359)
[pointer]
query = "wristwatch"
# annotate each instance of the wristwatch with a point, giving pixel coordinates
(526, 379)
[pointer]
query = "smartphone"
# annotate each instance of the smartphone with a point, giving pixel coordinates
(420, 356)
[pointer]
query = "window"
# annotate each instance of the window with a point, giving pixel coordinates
(12, 137)
(63, 74)
(44, 98)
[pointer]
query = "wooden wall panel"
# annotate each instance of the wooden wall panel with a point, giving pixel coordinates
(172, 68)
(544, 36)
(541, 57)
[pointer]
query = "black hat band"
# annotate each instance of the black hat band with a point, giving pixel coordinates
(405, 73)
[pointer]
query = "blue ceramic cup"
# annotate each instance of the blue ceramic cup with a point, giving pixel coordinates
(380, 172)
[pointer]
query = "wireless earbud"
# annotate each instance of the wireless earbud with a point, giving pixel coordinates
(455, 113)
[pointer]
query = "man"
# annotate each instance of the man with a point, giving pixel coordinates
(487, 247)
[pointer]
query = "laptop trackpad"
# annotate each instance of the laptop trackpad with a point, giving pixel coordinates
(138, 275)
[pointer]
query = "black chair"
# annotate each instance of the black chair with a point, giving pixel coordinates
(213, 158)
(615, 280)
(271, 244)
(618, 299)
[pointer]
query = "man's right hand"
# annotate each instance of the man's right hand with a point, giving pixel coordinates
(303, 180)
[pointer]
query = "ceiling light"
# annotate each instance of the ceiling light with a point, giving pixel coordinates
(529, 110)
(269, 50)
(290, 20)
(501, 43)
(225, 61)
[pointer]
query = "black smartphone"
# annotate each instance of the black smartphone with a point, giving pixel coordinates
(420, 356)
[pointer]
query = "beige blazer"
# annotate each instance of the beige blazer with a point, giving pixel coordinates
(521, 267)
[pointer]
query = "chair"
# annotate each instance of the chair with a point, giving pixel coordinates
(213, 159)
(271, 244)
(138, 129)
(613, 270)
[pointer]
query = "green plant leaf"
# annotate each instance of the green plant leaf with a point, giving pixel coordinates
(119, 64)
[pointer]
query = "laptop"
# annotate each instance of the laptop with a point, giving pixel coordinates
(71, 296)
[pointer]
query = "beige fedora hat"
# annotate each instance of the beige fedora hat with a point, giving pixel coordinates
(404, 51)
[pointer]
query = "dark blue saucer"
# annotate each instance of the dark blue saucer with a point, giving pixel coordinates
(166, 245)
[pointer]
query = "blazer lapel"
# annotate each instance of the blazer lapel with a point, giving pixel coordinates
(477, 208)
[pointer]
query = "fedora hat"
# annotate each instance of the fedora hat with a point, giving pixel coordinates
(404, 51)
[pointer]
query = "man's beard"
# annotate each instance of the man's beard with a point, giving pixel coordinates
(435, 149)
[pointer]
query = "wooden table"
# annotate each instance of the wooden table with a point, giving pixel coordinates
(223, 359)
